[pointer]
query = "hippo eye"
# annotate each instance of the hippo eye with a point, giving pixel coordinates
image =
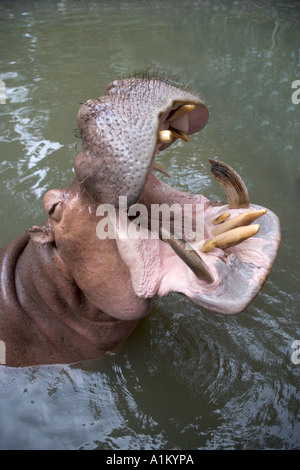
(52, 208)
(55, 211)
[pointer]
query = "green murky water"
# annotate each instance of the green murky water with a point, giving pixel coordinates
(187, 378)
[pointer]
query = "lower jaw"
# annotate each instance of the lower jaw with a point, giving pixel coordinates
(157, 269)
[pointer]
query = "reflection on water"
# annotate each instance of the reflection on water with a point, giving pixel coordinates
(186, 378)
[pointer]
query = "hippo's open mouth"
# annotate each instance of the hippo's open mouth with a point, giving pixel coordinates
(228, 265)
(75, 287)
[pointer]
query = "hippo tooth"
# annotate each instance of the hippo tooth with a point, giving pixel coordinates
(208, 245)
(161, 169)
(231, 238)
(185, 108)
(165, 137)
(238, 221)
(232, 184)
(221, 218)
(188, 255)
(180, 134)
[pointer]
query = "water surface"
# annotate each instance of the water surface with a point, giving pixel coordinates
(187, 378)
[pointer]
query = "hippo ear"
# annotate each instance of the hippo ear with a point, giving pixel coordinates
(43, 234)
(53, 203)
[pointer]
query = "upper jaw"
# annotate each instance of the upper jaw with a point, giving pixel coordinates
(121, 133)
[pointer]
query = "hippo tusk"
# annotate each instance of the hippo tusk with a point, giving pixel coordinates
(221, 218)
(165, 137)
(177, 113)
(232, 184)
(208, 245)
(188, 255)
(238, 221)
(180, 134)
(231, 238)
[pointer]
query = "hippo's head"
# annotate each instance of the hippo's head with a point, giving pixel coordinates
(221, 267)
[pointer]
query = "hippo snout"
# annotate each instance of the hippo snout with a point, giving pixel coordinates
(124, 129)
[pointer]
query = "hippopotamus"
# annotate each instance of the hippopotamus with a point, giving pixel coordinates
(75, 287)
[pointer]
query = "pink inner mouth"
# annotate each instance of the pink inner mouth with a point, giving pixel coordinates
(238, 272)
